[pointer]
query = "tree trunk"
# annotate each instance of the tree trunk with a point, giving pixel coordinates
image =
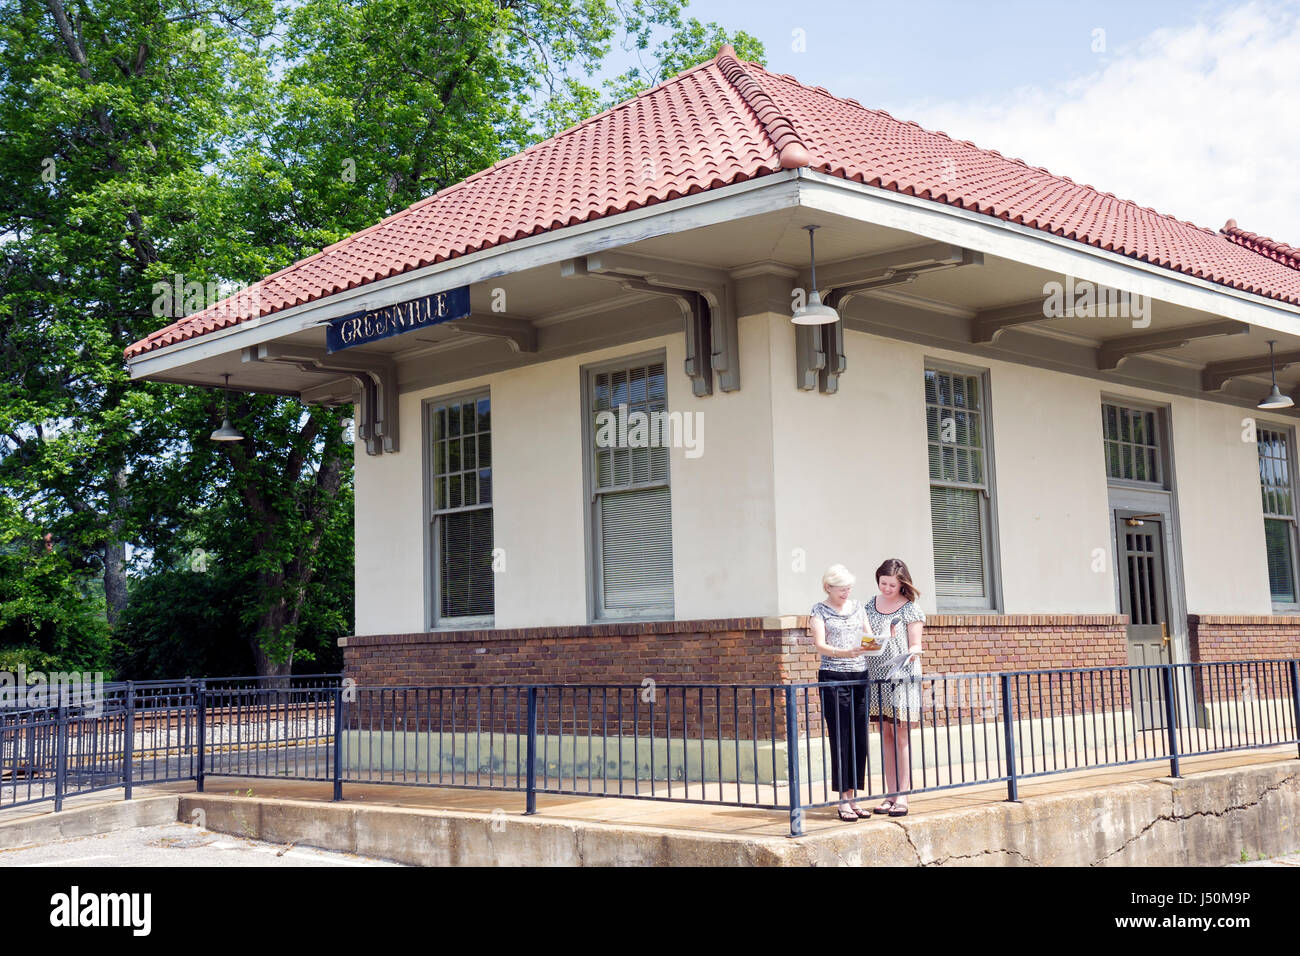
(283, 590)
(114, 552)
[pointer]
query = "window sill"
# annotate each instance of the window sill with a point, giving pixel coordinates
(464, 624)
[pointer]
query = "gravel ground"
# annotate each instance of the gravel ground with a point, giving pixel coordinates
(176, 844)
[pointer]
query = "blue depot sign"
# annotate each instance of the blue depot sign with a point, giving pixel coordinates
(370, 326)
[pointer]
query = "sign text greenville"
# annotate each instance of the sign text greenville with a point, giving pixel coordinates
(362, 327)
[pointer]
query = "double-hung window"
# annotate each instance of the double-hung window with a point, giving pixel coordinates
(460, 495)
(1277, 491)
(961, 511)
(631, 500)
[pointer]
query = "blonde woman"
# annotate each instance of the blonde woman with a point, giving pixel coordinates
(836, 625)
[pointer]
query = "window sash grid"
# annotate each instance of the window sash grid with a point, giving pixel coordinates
(1277, 490)
(462, 577)
(1132, 442)
(961, 527)
(630, 490)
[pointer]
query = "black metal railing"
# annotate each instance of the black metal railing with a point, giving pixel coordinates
(790, 747)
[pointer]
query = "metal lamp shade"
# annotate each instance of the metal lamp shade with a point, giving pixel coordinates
(1275, 399)
(227, 432)
(814, 313)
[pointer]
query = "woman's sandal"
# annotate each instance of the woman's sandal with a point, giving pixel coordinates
(886, 807)
(848, 816)
(862, 814)
(898, 812)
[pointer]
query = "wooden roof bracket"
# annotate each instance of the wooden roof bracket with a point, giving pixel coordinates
(377, 423)
(1114, 351)
(819, 349)
(1217, 374)
(707, 298)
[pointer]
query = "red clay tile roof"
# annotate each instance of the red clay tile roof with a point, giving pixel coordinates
(1287, 255)
(724, 122)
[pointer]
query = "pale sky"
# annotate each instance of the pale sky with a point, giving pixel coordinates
(1182, 106)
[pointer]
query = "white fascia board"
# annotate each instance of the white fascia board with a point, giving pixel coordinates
(737, 201)
(1036, 247)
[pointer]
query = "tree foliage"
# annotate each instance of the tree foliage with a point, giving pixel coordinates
(218, 143)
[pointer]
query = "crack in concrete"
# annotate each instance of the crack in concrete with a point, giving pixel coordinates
(908, 834)
(958, 856)
(970, 856)
(1175, 817)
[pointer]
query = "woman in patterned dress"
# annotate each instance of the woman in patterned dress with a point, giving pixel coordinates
(895, 704)
(836, 625)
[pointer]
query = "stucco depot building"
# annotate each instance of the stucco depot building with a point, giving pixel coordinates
(1042, 397)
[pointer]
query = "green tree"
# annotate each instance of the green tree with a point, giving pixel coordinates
(220, 143)
(112, 116)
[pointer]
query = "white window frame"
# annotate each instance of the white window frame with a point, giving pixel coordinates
(1293, 534)
(594, 536)
(991, 602)
(432, 538)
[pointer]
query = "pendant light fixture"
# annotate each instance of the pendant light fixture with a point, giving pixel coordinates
(813, 312)
(1275, 398)
(227, 431)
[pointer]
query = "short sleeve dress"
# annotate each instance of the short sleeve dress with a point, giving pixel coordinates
(842, 632)
(898, 698)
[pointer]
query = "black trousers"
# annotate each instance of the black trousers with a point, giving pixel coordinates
(844, 711)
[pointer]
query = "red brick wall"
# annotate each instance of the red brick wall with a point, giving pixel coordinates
(669, 653)
(728, 651)
(1230, 638)
(956, 643)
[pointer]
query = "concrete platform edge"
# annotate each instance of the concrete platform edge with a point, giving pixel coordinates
(1210, 819)
(49, 827)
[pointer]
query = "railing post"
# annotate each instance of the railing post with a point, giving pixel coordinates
(1009, 731)
(201, 707)
(532, 752)
(792, 761)
(1295, 696)
(128, 740)
(1167, 675)
(61, 757)
(338, 742)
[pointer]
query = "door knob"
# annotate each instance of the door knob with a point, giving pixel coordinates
(1164, 635)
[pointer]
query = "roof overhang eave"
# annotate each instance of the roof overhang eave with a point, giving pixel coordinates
(709, 207)
(790, 188)
(1037, 248)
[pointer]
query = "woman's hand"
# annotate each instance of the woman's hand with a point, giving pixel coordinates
(914, 639)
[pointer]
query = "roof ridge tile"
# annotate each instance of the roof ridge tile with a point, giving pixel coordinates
(1262, 245)
(791, 151)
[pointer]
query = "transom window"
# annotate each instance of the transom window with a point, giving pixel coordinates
(1132, 441)
(1278, 497)
(960, 503)
(461, 496)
